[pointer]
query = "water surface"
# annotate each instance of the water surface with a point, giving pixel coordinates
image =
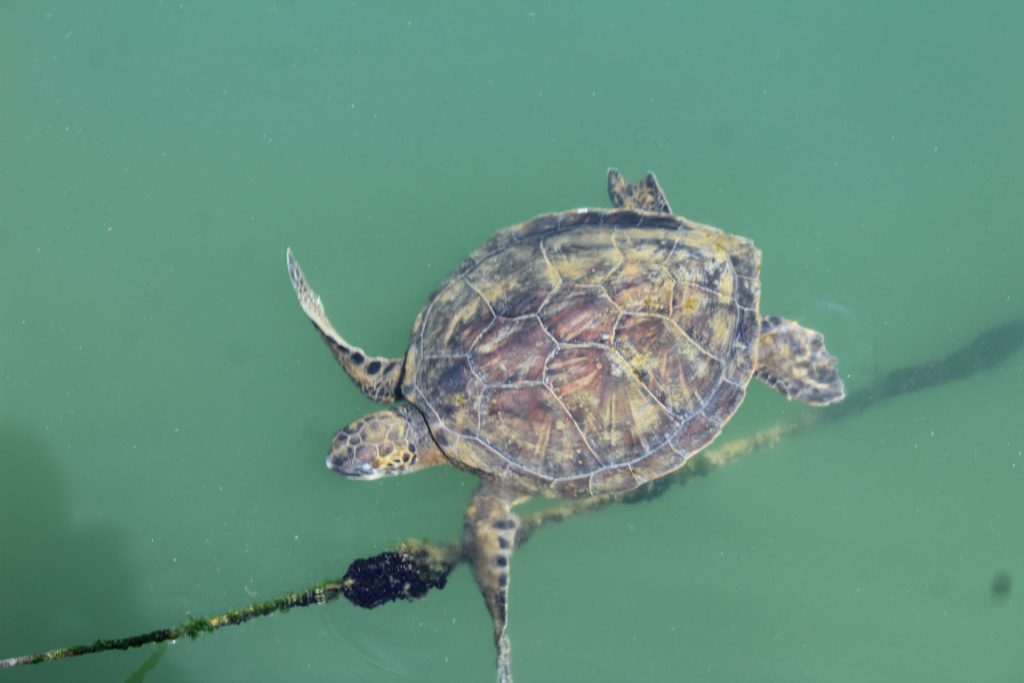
(165, 407)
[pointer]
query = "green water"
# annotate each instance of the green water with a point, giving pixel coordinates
(165, 407)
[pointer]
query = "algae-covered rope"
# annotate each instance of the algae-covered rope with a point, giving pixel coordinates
(413, 568)
(192, 628)
(409, 571)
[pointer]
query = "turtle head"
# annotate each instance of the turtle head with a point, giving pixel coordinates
(382, 444)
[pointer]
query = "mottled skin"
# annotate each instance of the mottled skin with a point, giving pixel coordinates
(580, 353)
(377, 377)
(645, 195)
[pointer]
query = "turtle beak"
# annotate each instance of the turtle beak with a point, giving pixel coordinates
(352, 468)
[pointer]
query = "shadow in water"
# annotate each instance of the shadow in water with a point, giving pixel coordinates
(57, 581)
(988, 350)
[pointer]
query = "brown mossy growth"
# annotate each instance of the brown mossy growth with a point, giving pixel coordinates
(697, 466)
(196, 626)
(558, 513)
(647, 492)
(407, 573)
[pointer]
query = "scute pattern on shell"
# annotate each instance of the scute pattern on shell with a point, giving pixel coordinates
(588, 351)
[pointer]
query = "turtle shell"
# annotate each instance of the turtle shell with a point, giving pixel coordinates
(588, 351)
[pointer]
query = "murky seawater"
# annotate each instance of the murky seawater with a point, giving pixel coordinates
(165, 407)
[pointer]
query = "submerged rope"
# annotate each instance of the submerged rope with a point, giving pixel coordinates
(191, 628)
(415, 567)
(408, 572)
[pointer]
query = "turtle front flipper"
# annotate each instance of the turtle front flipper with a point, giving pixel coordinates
(376, 376)
(490, 536)
(646, 195)
(793, 360)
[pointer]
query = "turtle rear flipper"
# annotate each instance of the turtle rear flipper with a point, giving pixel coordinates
(793, 360)
(376, 376)
(646, 195)
(490, 536)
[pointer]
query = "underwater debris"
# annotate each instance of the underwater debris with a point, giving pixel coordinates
(1002, 583)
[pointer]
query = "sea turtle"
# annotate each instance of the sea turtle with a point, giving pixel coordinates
(580, 353)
